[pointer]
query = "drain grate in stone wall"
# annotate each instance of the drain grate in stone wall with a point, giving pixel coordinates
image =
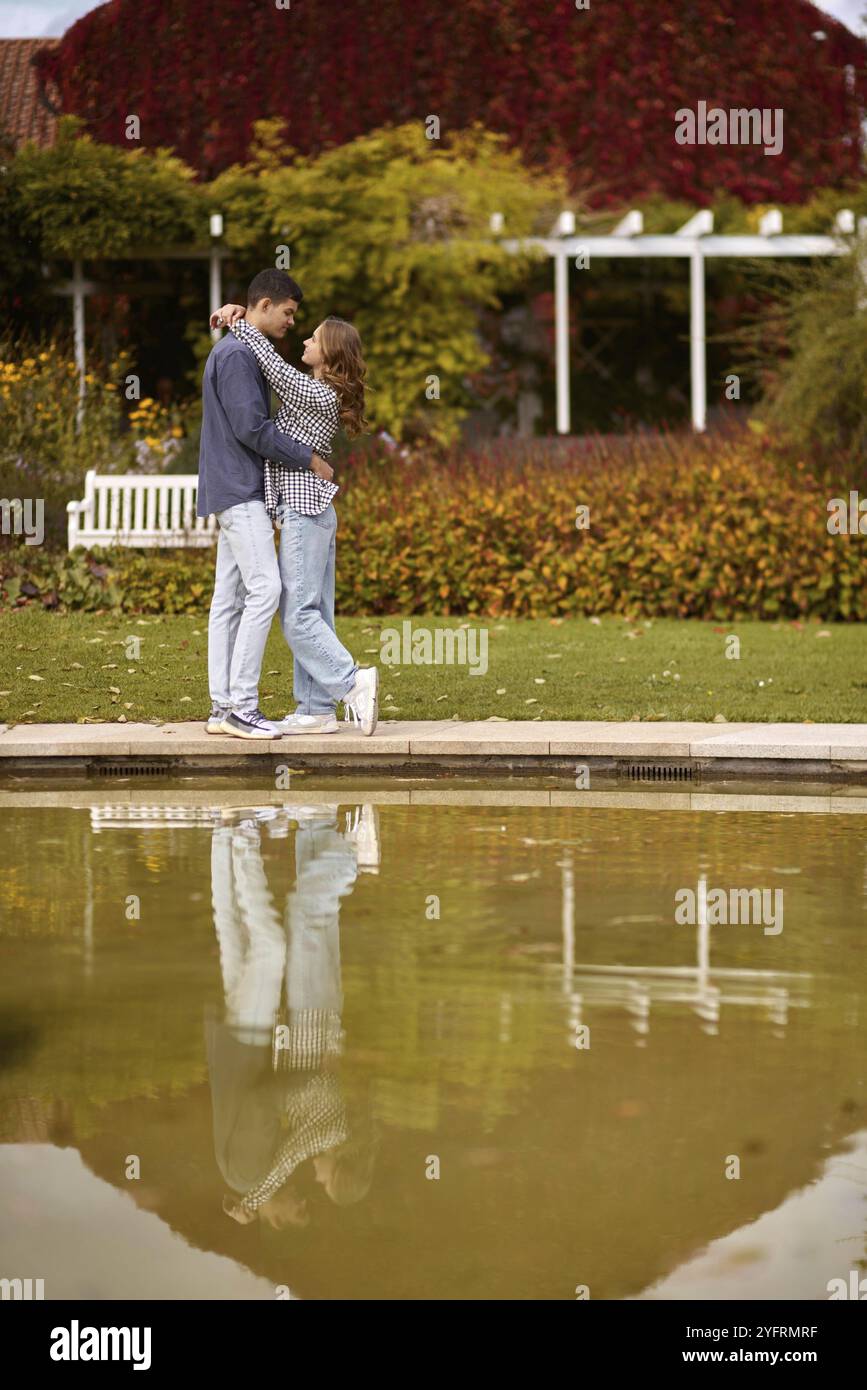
(130, 769)
(659, 772)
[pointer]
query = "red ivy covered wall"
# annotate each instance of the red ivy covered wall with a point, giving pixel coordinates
(594, 91)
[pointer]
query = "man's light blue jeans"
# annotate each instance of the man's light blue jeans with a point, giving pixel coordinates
(324, 669)
(246, 595)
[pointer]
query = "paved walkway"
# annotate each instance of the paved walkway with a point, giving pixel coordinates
(834, 744)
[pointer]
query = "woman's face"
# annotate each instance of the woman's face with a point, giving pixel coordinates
(312, 353)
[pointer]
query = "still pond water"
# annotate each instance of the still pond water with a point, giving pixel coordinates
(424, 1043)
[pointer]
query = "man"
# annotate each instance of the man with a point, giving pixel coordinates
(237, 435)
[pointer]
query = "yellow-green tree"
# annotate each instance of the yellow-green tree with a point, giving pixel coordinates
(393, 232)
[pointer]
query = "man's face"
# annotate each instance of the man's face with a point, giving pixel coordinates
(275, 320)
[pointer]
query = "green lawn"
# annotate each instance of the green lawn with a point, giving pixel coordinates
(74, 667)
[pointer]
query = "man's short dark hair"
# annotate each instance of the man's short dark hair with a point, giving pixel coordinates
(275, 285)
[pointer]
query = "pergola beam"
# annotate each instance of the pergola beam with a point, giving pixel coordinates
(634, 248)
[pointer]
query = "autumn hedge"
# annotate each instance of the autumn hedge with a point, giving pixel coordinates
(714, 528)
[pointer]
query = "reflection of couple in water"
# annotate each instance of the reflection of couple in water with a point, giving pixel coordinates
(277, 1099)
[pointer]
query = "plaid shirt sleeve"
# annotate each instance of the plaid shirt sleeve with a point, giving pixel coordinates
(293, 387)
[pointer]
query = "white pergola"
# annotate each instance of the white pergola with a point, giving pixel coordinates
(78, 288)
(694, 241)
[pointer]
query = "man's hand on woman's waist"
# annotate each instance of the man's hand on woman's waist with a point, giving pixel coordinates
(321, 468)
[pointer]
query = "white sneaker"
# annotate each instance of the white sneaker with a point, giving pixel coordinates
(361, 704)
(362, 830)
(308, 724)
(302, 814)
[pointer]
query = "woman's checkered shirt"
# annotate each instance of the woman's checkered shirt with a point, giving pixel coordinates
(309, 412)
(316, 1116)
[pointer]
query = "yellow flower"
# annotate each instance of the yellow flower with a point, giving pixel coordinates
(177, 432)
(44, 356)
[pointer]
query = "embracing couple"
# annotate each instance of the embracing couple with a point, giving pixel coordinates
(255, 473)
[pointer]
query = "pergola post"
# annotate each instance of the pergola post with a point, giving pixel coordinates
(561, 338)
(697, 352)
(216, 280)
(78, 292)
(700, 225)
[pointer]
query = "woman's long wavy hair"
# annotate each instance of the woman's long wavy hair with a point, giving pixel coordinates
(345, 369)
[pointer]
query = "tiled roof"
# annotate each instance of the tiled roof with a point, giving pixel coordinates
(23, 114)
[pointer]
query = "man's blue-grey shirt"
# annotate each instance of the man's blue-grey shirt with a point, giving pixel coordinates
(238, 433)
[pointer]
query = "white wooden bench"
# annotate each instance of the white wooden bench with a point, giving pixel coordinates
(135, 509)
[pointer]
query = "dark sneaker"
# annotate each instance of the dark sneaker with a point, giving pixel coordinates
(214, 722)
(249, 723)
